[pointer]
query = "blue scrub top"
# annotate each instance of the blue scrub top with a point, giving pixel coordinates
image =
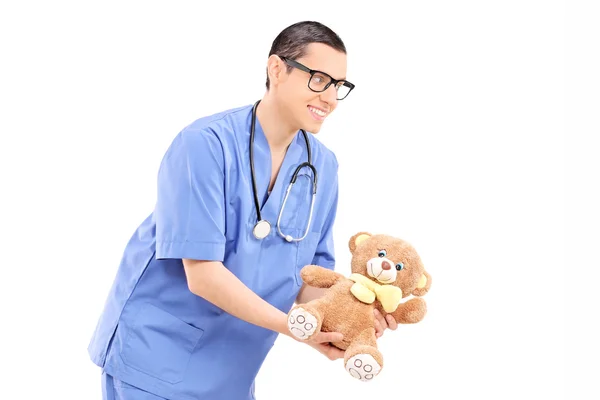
(157, 335)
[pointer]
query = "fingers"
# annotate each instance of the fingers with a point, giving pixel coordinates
(391, 322)
(329, 351)
(378, 328)
(333, 353)
(326, 337)
(380, 323)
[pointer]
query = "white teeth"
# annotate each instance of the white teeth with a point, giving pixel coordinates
(318, 112)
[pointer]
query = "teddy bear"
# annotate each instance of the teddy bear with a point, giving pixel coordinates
(385, 271)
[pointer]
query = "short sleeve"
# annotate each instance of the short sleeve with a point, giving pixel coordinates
(325, 254)
(190, 207)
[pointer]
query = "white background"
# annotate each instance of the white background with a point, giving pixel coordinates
(453, 140)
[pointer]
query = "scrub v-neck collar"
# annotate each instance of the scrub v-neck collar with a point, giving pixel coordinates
(263, 167)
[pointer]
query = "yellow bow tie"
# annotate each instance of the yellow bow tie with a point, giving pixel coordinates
(367, 290)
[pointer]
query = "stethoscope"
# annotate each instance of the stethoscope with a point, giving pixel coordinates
(262, 228)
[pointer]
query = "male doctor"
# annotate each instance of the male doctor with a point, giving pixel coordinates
(206, 281)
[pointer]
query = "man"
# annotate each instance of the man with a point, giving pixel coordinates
(205, 283)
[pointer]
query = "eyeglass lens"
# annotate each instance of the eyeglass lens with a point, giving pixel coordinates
(318, 82)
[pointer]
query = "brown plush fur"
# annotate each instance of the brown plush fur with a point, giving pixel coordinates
(340, 311)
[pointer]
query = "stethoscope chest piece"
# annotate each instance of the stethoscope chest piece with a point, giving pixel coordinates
(261, 229)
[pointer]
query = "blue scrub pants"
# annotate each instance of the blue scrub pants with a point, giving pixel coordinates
(114, 389)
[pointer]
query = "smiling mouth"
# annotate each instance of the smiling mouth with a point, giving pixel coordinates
(371, 272)
(317, 113)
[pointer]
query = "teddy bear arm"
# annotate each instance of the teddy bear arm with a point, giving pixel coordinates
(410, 312)
(320, 277)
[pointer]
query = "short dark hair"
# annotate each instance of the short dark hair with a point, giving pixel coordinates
(294, 39)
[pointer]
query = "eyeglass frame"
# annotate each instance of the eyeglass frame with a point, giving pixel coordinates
(312, 72)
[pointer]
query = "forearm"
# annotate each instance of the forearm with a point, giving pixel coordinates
(215, 283)
(309, 293)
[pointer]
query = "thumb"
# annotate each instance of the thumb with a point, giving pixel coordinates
(325, 337)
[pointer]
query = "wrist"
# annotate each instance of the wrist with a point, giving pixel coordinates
(281, 325)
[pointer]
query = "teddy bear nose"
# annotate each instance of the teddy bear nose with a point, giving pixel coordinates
(386, 265)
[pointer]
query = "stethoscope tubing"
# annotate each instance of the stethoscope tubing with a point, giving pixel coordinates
(308, 164)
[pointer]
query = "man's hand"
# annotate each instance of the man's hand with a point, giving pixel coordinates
(321, 340)
(381, 323)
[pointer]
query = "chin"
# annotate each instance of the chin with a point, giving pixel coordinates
(314, 130)
(313, 127)
(309, 123)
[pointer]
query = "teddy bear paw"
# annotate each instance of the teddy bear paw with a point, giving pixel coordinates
(363, 367)
(301, 323)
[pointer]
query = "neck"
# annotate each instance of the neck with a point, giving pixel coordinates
(278, 131)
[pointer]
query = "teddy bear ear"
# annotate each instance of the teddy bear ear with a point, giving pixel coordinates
(423, 285)
(356, 239)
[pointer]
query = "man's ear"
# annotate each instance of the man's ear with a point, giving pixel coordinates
(275, 69)
(356, 239)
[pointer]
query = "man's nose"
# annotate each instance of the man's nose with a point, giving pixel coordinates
(386, 265)
(330, 96)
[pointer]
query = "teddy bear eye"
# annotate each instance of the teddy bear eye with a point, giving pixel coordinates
(382, 253)
(399, 266)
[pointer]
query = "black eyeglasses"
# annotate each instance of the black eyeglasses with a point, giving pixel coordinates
(319, 81)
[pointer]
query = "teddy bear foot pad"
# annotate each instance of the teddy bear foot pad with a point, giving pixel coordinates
(302, 324)
(363, 367)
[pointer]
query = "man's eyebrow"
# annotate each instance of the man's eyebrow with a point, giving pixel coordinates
(324, 72)
(341, 79)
